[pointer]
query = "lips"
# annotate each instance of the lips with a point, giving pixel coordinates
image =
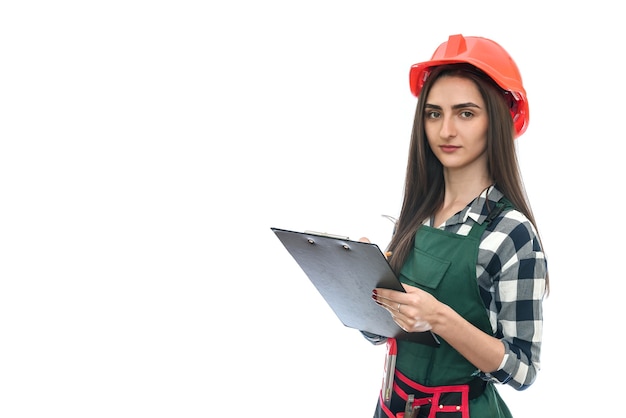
(449, 148)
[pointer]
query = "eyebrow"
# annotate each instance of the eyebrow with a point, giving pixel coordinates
(456, 106)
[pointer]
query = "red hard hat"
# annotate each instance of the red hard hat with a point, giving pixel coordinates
(489, 57)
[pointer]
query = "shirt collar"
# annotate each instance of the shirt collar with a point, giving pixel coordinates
(479, 208)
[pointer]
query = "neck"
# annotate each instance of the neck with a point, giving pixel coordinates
(465, 191)
(462, 188)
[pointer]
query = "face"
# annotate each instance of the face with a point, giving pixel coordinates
(455, 122)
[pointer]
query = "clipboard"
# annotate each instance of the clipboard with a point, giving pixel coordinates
(345, 272)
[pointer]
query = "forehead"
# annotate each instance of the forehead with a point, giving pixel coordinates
(454, 89)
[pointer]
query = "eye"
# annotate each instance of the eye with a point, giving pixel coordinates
(466, 114)
(432, 114)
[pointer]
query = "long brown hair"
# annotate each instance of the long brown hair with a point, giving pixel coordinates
(424, 187)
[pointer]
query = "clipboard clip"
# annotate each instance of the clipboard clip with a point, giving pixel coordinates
(325, 234)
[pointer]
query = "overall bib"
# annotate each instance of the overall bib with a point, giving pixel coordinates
(444, 264)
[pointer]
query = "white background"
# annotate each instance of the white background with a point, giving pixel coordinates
(147, 147)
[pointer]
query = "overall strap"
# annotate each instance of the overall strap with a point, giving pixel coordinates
(501, 205)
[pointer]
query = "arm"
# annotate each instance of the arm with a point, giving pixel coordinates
(512, 278)
(512, 283)
(420, 311)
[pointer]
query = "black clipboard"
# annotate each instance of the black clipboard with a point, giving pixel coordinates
(345, 272)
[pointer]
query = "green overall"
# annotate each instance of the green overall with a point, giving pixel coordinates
(444, 264)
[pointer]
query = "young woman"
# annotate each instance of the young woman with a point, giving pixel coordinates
(465, 246)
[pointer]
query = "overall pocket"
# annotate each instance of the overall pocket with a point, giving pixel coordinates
(428, 275)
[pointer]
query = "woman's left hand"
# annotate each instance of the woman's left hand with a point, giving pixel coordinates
(413, 311)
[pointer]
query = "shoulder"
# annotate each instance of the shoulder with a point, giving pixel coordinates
(511, 231)
(513, 222)
(508, 220)
(510, 251)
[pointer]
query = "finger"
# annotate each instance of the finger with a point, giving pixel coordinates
(395, 308)
(389, 295)
(390, 305)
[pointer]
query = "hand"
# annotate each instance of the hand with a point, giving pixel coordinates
(413, 311)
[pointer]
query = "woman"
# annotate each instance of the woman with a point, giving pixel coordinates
(465, 245)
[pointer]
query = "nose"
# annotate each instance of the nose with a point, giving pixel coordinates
(448, 128)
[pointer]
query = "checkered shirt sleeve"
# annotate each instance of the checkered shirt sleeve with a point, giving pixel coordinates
(511, 274)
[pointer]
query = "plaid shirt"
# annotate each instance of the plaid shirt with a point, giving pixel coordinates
(511, 272)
